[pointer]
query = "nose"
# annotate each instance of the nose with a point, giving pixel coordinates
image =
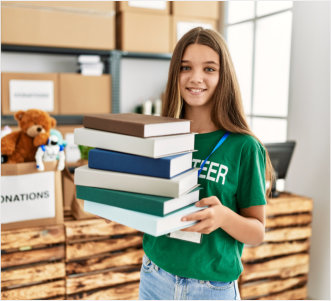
(196, 77)
(39, 129)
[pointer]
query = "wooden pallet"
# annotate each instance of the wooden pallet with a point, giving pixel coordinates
(92, 259)
(278, 268)
(102, 260)
(32, 263)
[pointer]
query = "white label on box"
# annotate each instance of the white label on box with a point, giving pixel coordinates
(31, 94)
(27, 197)
(184, 27)
(161, 5)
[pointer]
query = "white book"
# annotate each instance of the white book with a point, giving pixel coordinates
(92, 65)
(148, 223)
(188, 236)
(153, 147)
(88, 72)
(84, 58)
(91, 69)
(174, 187)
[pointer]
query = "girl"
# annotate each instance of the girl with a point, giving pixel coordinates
(203, 88)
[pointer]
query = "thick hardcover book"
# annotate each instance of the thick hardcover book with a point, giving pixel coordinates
(166, 167)
(173, 187)
(145, 203)
(148, 223)
(138, 125)
(153, 147)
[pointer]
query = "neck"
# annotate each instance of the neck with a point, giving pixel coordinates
(201, 119)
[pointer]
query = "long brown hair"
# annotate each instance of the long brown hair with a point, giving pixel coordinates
(227, 112)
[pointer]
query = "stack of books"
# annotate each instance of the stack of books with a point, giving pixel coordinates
(90, 65)
(140, 171)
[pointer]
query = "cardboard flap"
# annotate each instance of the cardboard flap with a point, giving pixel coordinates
(25, 168)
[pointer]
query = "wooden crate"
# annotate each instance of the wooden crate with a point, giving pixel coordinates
(102, 260)
(278, 268)
(32, 263)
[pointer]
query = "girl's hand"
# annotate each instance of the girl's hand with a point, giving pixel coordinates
(210, 218)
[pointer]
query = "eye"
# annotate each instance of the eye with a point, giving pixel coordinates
(185, 68)
(210, 69)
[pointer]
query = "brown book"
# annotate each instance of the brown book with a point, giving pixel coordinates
(137, 124)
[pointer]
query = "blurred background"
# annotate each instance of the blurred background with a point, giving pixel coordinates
(281, 52)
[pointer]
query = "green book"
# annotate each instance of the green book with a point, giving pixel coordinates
(150, 204)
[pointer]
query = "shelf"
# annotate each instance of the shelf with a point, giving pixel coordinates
(51, 50)
(141, 55)
(112, 60)
(77, 51)
(60, 119)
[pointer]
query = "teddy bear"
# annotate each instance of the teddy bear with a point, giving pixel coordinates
(21, 146)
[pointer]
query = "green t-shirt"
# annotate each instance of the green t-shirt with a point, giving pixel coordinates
(235, 173)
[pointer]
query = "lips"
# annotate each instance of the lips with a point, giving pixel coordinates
(196, 90)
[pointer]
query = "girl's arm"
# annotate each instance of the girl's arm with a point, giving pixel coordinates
(247, 227)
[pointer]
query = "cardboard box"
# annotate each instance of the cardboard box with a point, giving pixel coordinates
(151, 7)
(29, 197)
(138, 32)
(80, 6)
(80, 94)
(69, 191)
(71, 203)
(181, 25)
(196, 9)
(23, 91)
(33, 25)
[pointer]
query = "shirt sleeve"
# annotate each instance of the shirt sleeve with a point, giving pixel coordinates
(251, 183)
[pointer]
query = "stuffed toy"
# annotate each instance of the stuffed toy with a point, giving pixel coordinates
(59, 136)
(52, 151)
(21, 146)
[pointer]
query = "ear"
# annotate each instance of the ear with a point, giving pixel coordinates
(53, 122)
(19, 115)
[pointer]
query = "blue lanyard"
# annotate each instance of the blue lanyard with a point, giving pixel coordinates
(215, 148)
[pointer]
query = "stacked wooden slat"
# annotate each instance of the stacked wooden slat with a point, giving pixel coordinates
(278, 268)
(103, 260)
(32, 263)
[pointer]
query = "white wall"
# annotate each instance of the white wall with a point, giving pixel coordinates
(141, 79)
(33, 62)
(309, 125)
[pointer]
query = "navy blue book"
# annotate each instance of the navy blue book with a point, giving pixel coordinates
(166, 167)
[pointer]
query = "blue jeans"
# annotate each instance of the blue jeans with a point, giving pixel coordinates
(157, 284)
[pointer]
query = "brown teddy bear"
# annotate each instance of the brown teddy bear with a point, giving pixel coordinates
(21, 146)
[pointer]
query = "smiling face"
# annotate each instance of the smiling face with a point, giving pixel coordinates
(199, 75)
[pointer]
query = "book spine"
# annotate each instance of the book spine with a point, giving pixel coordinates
(85, 176)
(113, 141)
(120, 162)
(147, 223)
(118, 199)
(115, 126)
(122, 216)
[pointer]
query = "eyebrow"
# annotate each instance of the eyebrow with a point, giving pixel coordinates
(207, 62)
